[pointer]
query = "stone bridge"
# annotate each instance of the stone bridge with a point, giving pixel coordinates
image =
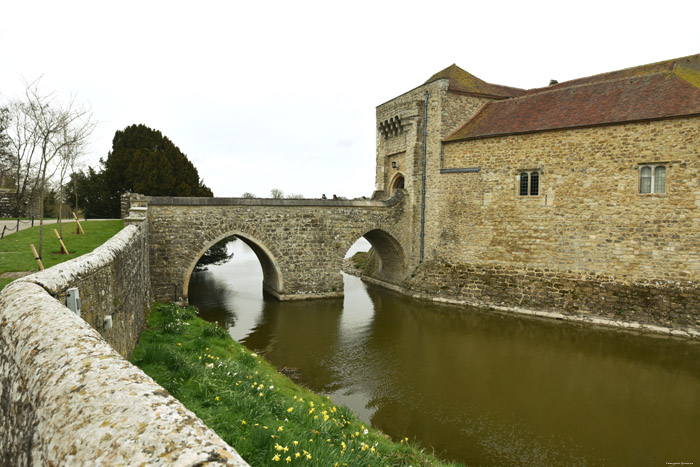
(300, 243)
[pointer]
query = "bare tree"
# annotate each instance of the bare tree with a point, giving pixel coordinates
(23, 159)
(276, 193)
(68, 156)
(46, 129)
(5, 152)
(248, 194)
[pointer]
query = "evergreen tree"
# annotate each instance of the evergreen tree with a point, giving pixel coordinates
(144, 161)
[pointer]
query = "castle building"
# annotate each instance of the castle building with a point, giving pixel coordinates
(582, 196)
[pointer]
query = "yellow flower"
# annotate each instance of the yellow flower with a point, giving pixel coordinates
(288, 459)
(290, 410)
(295, 443)
(297, 455)
(276, 458)
(217, 398)
(308, 456)
(243, 422)
(280, 429)
(311, 410)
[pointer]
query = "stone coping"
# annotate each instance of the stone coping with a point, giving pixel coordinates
(58, 278)
(187, 201)
(79, 401)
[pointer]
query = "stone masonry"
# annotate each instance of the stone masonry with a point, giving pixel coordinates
(589, 243)
(300, 243)
(67, 397)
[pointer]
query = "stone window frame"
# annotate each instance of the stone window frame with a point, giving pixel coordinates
(518, 183)
(653, 180)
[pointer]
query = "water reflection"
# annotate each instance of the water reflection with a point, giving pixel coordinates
(483, 388)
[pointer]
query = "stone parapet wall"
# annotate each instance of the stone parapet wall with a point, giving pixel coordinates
(67, 397)
(113, 282)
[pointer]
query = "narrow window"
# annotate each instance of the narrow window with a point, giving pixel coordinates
(534, 184)
(523, 184)
(529, 183)
(645, 180)
(660, 179)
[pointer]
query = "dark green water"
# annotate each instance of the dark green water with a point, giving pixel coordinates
(478, 387)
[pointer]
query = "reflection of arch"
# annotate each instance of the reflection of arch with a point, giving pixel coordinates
(272, 277)
(389, 255)
(396, 183)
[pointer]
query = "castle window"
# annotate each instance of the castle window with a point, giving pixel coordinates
(652, 178)
(529, 183)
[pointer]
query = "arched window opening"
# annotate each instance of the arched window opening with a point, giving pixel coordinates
(660, 179)
(524, 182)
(652, 178)
(529, 183)
(397, 183)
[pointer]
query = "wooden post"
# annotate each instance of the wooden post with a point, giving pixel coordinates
(36, 257)
(64, 250)
(80, 227)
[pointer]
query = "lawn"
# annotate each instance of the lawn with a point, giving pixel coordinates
(16, 254)
(265, 416)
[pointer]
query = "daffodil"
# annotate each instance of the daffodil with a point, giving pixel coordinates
(276, 458)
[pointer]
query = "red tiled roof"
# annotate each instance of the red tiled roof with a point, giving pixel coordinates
(660, 90)
(464, 82)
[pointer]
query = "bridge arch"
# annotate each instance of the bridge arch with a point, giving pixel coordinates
(390, 259)
(273, 282)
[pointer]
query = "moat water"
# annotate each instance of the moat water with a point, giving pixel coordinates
(478, 387)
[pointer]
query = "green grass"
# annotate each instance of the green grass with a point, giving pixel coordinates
(360, 259)
(263, 414)
(16, 254)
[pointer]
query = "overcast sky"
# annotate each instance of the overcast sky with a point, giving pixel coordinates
(282, 94)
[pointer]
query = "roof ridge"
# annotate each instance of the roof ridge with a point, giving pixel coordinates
(671, 63)
(461, 80)
(554, 88)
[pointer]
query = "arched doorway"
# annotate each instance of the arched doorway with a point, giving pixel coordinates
(397, 183)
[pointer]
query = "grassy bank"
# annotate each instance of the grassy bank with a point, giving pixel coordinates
(16, 254)
(263, 414)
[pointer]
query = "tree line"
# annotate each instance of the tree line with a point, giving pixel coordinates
(42, 141)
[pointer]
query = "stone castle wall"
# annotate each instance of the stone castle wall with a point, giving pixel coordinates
(445, 112)
(589, 242)
(67, 397)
